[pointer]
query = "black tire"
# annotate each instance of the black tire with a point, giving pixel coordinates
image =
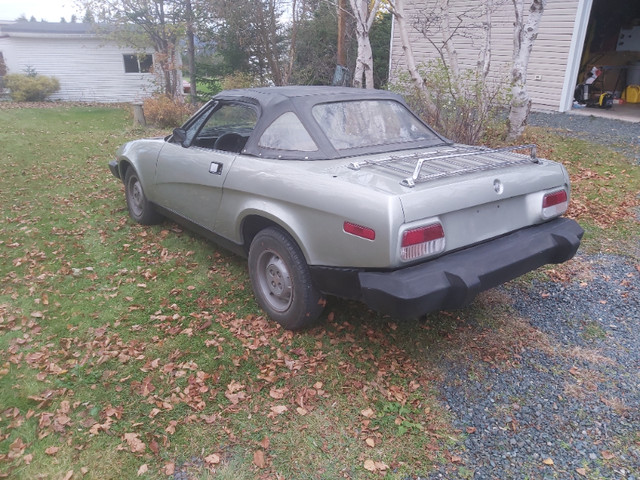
(140, 209)
(281, 280)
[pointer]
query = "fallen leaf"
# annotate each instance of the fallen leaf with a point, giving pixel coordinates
(16, 449)
(277, 393)
(582, 471)
(456, 459)
(171, 428)
(68, 475)
(371, 442)
(367, 412)
(169, 468)
(265, 443)
(154, 447)
(370, 465)
(471, 429)
(143, 469)
(52, 450)
(607, 455)
(135, 444)
(279, 409)
(258, 459)
(548, 461)
(212, 459)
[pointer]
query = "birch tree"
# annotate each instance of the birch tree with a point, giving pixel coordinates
(524, 35)
(459, 99)
(365, 13)
(469, 93)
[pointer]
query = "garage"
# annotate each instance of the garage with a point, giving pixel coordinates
(608, 77)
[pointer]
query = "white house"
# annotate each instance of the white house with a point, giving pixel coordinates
(89, 68)
(574, 36)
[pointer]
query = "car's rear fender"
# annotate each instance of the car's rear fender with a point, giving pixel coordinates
(319, 232)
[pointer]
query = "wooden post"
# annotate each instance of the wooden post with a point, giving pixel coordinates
(342, 28)
(138, 115)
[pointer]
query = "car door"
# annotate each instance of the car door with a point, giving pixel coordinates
(190, 174)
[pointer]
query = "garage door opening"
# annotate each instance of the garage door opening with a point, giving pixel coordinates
(608, 67)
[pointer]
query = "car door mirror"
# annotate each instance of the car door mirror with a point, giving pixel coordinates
(180, 136)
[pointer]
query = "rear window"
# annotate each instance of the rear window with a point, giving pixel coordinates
(369, 123)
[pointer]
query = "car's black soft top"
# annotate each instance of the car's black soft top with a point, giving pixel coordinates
(272, 102)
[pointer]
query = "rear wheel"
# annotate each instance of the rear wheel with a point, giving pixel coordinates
(140, 209)
(281, 280)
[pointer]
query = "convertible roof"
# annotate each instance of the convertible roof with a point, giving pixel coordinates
(274, 101)
(292, 92)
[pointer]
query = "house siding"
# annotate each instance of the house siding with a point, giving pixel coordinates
(88, 69)
(548, 59)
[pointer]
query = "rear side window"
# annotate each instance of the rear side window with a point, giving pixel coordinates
(287, 133)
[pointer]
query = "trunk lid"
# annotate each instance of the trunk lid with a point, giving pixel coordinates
(475, 193)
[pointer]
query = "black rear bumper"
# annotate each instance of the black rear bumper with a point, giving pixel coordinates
(453, 280)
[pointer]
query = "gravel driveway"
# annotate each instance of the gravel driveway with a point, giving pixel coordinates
(569, 410)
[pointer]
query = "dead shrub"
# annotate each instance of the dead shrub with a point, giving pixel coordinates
(166, 112)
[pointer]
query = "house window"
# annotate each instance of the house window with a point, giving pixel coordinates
(137, 63)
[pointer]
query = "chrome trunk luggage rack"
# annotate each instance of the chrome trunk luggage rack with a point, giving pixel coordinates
(456, 160)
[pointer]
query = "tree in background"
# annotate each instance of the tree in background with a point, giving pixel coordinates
(524, 36)
(462, 103)
(142, 24)
(380, 37)
(240, 43)
(316, 49)
(365, 13)
(259, 38)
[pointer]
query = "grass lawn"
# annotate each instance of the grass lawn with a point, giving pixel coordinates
(139, 351)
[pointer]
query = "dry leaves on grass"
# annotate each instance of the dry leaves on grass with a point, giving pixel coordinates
(375, 466)
(135, 444)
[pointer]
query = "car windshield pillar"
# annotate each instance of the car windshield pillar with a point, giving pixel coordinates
(179, 136)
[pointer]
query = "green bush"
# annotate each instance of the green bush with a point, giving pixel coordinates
(30, 88)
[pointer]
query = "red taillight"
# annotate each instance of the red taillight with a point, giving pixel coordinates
(422, 234)
(552, 199)
(359, 230)
(422, 241)
(554, 204)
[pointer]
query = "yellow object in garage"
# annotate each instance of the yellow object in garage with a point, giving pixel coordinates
(631, 94)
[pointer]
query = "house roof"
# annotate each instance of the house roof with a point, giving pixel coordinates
(46, 28)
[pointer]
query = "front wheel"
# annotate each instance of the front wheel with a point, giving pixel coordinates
(281, 280)
(140, 209)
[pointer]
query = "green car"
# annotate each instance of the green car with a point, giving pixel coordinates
(345, 192)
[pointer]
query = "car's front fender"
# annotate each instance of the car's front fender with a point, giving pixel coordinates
(141, 155)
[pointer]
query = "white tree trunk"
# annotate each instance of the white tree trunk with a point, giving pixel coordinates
(363, 75)
(524, 36)
(397, 8)
(484, 59)
(447, 40)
